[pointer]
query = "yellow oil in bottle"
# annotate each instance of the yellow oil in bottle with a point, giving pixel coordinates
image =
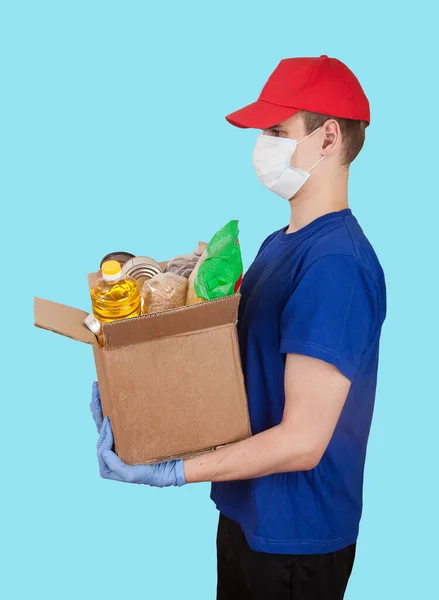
(114, 296)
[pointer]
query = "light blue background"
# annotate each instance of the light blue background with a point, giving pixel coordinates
(113, 136)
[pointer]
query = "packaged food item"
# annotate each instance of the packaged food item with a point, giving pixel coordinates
(141, 268)
(114, 296)
(121, 257)
(191, 297)
(200, 248)
(219, 270)
(163, 292)
(184, 264)
(93, 324)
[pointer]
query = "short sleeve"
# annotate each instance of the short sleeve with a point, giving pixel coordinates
(331, 314)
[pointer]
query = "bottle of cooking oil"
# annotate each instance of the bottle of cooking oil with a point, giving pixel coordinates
(114, 296)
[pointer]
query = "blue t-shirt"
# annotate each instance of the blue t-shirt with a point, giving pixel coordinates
(319, 291)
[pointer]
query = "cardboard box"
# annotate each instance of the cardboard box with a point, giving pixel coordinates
(171, 383)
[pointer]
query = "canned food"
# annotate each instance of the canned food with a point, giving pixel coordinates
(141, 268)
(92, 323)
(121, 257)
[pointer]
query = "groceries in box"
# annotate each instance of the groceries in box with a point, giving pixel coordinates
(166, 350)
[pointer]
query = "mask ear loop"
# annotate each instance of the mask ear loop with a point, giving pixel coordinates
(315, 164)
(305, 138)
(309, 135)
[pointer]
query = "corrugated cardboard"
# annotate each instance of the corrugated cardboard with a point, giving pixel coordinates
(171, 383)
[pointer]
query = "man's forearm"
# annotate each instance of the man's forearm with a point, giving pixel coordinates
(276, 450)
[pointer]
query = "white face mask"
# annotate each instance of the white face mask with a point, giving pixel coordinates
(271, 160)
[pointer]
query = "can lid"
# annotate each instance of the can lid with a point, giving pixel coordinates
(141, 267)
(121, 257)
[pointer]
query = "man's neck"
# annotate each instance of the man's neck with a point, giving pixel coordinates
(309, 204)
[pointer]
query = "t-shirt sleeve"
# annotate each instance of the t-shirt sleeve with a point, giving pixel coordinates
(331, 313)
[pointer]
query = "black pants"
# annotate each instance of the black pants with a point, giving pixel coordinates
(244, 574)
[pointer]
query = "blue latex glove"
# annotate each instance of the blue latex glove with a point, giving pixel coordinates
(95, 406)
(111, 467)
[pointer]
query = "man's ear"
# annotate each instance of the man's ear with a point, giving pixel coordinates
(331, 135)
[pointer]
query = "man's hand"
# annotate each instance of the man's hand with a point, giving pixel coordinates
(95, 406)
(111, 467)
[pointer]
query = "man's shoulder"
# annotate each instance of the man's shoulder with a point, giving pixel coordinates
(347, 247)
(344, 243)
(331, 246)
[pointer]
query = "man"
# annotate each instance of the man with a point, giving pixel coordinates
(313, 303)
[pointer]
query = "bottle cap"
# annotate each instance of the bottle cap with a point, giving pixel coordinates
(110, 267)
(111, 270)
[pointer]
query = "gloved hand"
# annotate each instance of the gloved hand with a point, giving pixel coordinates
(95, 405)
(111, 467)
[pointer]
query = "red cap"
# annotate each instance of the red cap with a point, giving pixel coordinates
(320, 85)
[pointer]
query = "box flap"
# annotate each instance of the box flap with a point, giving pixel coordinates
(64, 320)
(174, 322)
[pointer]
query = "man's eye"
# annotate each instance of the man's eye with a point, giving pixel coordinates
(273, 132)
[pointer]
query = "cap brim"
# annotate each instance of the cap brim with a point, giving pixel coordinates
(261, 115)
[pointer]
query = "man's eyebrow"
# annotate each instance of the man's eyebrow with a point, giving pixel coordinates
(274, 127)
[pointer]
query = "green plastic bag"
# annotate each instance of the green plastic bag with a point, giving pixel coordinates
(220, 273)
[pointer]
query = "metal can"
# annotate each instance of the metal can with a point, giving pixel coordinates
(141, 268)
(92, 323)
(121, 257)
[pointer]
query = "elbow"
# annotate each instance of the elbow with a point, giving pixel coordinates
(301, 453)
(311, 459)
(307, 458)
